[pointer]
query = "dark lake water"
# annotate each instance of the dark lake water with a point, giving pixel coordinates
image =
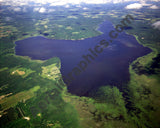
(109, 67)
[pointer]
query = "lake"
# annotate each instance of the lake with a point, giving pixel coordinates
(110, 67)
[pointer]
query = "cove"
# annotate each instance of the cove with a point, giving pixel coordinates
(109, 68)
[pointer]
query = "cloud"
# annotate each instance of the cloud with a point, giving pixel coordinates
(64, 2)
(58, 3)
(85, 8)
(42, 10)
(156, 25)
(36, 9)
(134, 6)
(154, 7)
(51, 10)
(95, 1)
(55, 2)
(24, 9)
(17, 9)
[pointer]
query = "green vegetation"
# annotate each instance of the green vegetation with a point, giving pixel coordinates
(51, 72)
(113, 106)
(107, 109)
(42, 98)
(143, 89)
(12, 101)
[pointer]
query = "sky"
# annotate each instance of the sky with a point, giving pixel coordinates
(64, 2)
(17, 5)
(135, 5)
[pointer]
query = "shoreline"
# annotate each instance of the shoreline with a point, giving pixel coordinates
(77, 40)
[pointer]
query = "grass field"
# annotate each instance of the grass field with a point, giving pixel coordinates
(12, 101)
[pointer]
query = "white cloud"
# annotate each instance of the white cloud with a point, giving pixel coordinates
(56, 2)
(85, 8)
(154, 7)
(134, 6)
(17, 9)
(64, 2)
(95, 1)
(74, 2)
(156, 25)
(51, 10)
(42, 10)
(67, 6)
(59, 3)
(24, 10)
(36, 9)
